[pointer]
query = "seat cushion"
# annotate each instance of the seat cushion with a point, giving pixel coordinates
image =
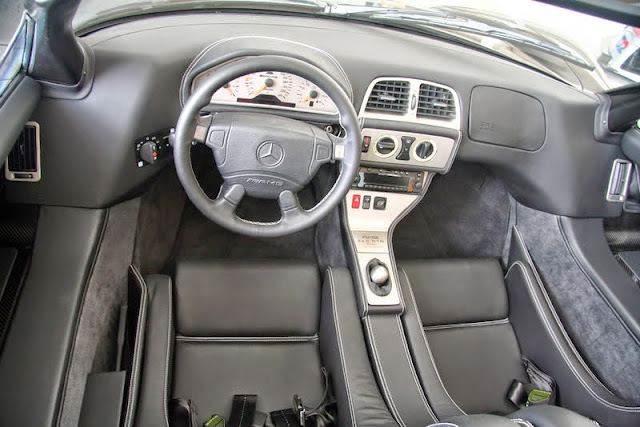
(477, 365)
(451, 291)
(463, 308)
(239, 299)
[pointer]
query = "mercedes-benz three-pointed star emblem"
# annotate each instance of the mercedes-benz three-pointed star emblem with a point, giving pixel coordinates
(270, 154)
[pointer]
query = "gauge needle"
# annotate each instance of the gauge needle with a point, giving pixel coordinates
(230, 91)
(306, 99)
(267, 83)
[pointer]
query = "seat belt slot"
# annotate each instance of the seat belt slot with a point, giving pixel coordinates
(540, 390)
(243, 410)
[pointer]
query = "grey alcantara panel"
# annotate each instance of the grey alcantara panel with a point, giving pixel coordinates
(94, 347)
(606, 344)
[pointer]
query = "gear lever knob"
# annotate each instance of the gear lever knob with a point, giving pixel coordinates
(379, 275)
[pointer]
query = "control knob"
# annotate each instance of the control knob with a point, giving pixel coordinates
(149, 152)
(424, 150)
(386, 146)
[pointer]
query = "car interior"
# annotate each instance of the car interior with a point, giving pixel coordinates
(250, 216)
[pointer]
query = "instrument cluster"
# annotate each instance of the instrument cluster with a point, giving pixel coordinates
(270, 89)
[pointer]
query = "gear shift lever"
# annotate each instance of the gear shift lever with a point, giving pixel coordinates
(379, 280)
(379, 274)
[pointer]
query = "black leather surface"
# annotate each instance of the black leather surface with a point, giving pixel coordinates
(457, 290)
(155, 381)
(396, 374)
(464, 366)
(439, 398)
(226, 298)
(36, 352)
(344, 353)
(544, 341)
(551, 416)
(210, 373)
(7, 260)
(482, 420)
(477, 365)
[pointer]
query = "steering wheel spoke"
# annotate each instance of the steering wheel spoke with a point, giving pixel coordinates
(290, 207)
(229, 198)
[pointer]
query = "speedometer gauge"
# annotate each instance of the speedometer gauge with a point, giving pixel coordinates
(271, 89)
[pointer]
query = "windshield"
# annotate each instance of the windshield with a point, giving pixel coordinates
(581, 50)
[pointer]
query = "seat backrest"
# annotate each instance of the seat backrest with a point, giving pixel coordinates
(236, 299)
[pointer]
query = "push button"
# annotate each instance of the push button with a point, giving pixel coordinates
(380, 203)
(355, 201)
(366, 142)
(405, 150)
(366, 202)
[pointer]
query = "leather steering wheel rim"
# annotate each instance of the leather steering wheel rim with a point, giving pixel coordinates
(294, 218)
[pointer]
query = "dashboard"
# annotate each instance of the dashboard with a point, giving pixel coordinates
(144, 71)
(270, 89)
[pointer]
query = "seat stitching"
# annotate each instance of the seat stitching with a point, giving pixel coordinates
(307, 338)
(426, 343)
(467, 324)
(562, 352)
(284, 417)
(244, 403)
(334, 310)
(168, 356)
(140, 329)
(383, 380)
(413, 371)
(554, 314)
(552, 309)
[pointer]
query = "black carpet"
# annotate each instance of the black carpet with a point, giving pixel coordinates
(464, 214)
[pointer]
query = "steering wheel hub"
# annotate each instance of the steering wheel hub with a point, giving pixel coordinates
(267, 154)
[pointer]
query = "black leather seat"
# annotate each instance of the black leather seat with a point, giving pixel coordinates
(464, 348)
(264, 328)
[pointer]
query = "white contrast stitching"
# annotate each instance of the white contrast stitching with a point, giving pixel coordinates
(383, 381)
(426, 343)
(467, 325)
(560, 349)
(140, 330)
(413, 371)
(184, 338)
(168, 356)
(334, 310)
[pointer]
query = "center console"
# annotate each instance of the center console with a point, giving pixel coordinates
(411, 132)
(399, 159)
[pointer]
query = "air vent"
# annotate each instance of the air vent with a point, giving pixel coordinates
(389, 96)
(23, 162)
(436, 101)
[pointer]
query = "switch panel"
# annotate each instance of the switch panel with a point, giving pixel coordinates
(152, 148)
(400, 149)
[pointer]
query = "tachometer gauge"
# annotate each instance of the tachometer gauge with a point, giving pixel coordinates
(270, 88)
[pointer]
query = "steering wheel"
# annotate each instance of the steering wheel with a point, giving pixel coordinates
(264, 155)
